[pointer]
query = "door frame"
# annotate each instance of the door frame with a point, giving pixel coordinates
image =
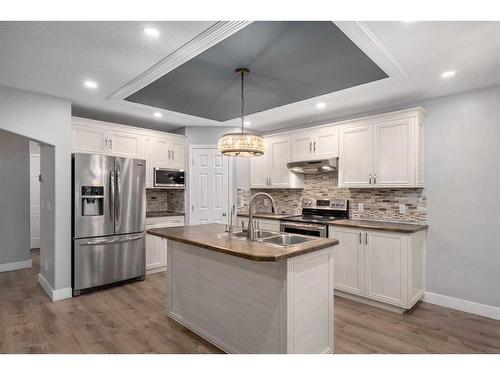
(189, 164)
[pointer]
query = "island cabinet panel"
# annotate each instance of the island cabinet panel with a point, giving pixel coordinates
(244, 306)
(265, 224)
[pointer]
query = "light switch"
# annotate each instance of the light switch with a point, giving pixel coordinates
(402, 208)
(361, 206)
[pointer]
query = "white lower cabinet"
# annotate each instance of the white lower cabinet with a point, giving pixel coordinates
(156, 247)
(266, 224)
(384, 266)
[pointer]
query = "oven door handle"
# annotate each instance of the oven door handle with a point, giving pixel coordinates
(302, 225)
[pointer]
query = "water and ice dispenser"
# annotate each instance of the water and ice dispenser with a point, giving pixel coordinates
(92, 200)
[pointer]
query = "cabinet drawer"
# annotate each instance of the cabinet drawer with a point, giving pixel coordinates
(168, 221)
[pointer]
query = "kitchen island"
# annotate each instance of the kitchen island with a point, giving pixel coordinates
(250, 296)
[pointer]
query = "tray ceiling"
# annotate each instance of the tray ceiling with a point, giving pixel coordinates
(289, 61)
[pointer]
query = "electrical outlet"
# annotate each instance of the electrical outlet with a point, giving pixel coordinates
(402, 208)
(46, 265)
(361, 207)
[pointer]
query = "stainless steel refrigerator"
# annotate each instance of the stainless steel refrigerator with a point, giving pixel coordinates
(109, 220)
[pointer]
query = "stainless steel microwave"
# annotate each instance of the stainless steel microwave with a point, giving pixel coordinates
(169, 178)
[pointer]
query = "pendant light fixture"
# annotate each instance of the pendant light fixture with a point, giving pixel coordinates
(241, 144)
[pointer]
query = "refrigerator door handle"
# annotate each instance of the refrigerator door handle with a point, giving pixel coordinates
(112, 194)
(112, 241)
(117, 196)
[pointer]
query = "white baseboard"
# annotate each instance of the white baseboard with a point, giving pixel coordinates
(54, 294)
(463, 305)
(5, 267)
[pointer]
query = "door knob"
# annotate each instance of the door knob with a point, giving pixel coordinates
(224, 214)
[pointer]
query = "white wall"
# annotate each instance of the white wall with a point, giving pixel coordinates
(14, 199)
(47, 119)
(462, 155)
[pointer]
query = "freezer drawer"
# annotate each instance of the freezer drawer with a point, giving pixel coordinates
(105, 260)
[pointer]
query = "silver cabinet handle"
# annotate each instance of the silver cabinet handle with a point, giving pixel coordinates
(360, 241)
(105, 144)
(374, 179)
(314, 148)
(366, 238)
(168, 154)
(270, 181)
(370, 178)
(111, 144)
(310, 146)
(173, 158)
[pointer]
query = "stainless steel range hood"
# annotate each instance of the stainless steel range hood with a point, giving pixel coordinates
(314, 166)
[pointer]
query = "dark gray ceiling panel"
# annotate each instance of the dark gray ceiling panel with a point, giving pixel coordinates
(289, 61)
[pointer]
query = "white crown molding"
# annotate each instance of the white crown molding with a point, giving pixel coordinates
(210, 37)
(364, 37)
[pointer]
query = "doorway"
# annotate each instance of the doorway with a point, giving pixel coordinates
(210, 178)
(34, 196)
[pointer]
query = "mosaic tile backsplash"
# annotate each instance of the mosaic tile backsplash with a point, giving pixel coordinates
(379, 204)
(164, 200)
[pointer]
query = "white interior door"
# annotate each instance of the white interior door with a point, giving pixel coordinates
(209, 193)
(34, 198)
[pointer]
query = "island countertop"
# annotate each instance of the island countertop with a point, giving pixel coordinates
(207, 236)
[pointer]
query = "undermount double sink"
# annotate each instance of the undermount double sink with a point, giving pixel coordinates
(274, 238)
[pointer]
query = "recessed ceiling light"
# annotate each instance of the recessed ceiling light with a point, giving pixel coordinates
(448, 74)
(157, 115)
(246, 123)
(152, 32)
(88, 83)
(320, 105)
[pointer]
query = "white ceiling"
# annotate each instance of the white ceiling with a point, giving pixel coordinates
(55, 57)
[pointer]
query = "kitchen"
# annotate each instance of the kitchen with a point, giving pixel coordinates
(328, 217)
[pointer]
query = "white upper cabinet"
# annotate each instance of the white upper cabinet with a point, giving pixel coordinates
(178, 153)
(91, 140)
(355, 161)
(384, 151)
(393, 153)
(320, 143)
(149, 154)
(159, 149)
(259, 177)
(125, 144)
(270, 171)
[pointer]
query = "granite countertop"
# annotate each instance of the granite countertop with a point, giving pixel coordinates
(265, 215)
(163, 213)
(206, 236)
(380, 225)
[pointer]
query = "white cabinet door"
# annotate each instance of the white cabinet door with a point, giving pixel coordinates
(89, 139)
(386, 264)
(326, 143)
(125, 144)
(149, 147)
(259, 170)
(302, 147)
(163, 153)
(156, 252)
(393, 153)
(348, 264)
(279, 156)
(178, 154)
(355, 157)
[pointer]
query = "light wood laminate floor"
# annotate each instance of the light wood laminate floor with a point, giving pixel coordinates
(131, 319)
